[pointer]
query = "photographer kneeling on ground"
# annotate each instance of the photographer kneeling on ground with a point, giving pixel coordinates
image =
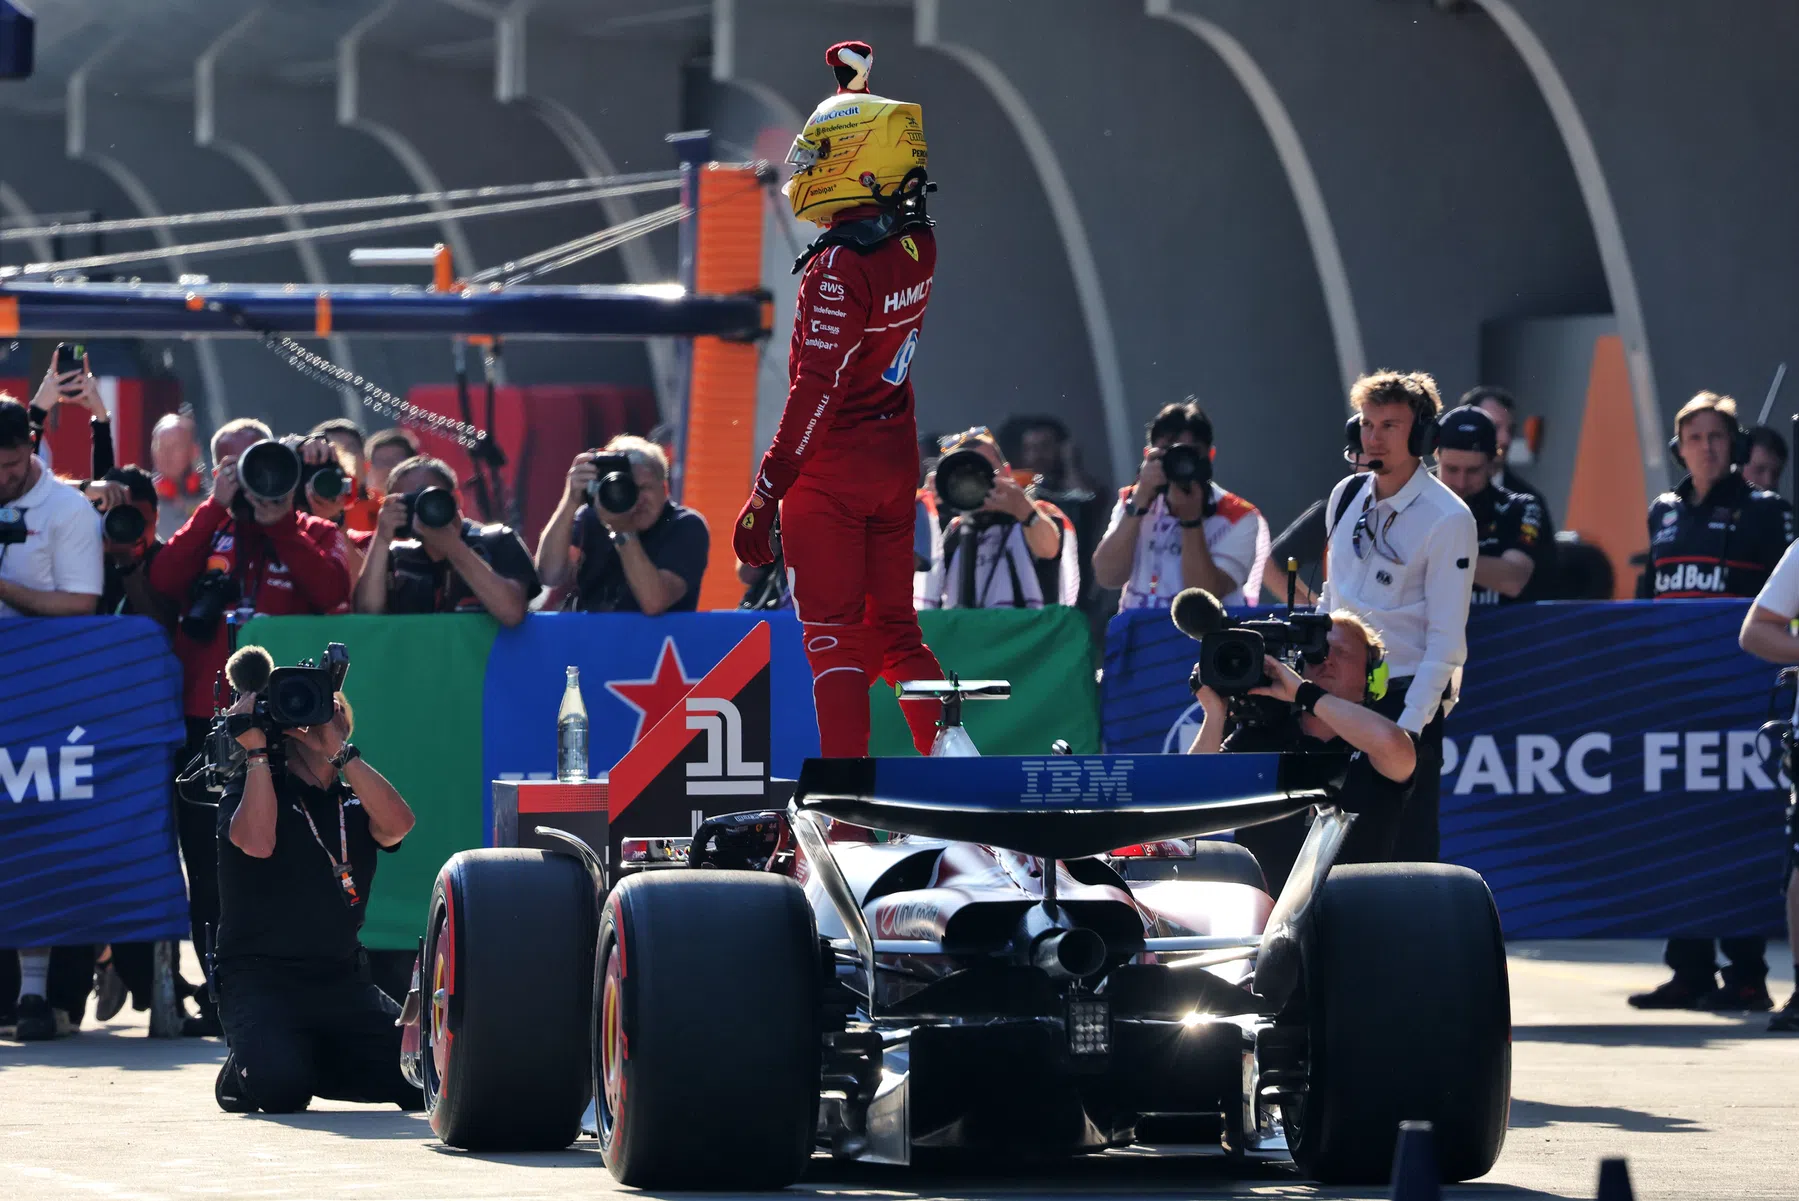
(1328, 709)
(618, 537)
(298, 828)
(1023, 548)
(426, 557)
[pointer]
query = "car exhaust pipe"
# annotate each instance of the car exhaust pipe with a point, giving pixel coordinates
(1070, 954)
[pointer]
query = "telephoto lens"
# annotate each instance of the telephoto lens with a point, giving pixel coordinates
(327, 481)
(964, 478)
(124, 525)
(434, 508)
(1184, 463)
(269, 471)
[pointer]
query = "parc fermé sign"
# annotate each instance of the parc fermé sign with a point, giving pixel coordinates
(1602, 769)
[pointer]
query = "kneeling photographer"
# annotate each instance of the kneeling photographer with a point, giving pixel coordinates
(1003, 548)
(300, 819)
(426, 557)
(1325, 708)
(619, 539)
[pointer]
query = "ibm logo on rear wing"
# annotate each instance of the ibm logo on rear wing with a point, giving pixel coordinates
(1066, 781)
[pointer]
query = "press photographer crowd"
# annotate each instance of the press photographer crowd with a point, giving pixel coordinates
(281, 821)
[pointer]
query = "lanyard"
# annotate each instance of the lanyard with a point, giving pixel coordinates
(339, 868)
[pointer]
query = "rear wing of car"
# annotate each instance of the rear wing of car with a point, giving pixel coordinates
(1067, 806)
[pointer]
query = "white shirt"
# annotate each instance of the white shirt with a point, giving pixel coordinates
(1419, 604)
(940, 587)
(1236, 533)
(61, 551)
(1780, 595)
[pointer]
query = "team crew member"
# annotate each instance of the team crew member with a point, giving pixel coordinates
(1768, 634)
(1401, 555)
(1713, 536)
(1023, 547)
(843, 468)
(1510, 524)
(1169, 535)
(1767, 458)
(1331, 712)
(1502, 407)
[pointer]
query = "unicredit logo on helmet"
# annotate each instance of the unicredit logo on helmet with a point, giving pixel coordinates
(906, 297)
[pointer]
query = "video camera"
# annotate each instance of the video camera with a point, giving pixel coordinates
(286, 698)
(614, 489)
(1231, 653)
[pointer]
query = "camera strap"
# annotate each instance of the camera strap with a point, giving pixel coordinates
(340, 863)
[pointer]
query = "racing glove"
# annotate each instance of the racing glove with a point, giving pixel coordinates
(752, 538)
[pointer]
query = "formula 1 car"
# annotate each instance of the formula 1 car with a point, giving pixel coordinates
(1037, 956)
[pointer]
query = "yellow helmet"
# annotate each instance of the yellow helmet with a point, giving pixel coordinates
(856, 148)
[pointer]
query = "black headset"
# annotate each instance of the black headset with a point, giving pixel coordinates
(1739, 439)
(1421, 441)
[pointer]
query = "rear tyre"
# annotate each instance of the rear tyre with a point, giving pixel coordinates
(506, 983)
(1408, 1010)
(706, 1030)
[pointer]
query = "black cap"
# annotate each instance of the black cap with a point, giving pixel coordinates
(1468, 428)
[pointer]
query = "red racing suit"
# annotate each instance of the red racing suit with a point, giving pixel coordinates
(844, 465)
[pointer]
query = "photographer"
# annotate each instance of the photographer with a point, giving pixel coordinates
(1329, 708)
(1175, 528)
(618, 537)
(74, 386)
(298, 831)
(1767, 633)
(442, 562)
(1401, 555)
(1713, 536)
(50, 562)
(1509, 524)
(351, 444)
(127, 502)
(1004, 526)
(239, 554)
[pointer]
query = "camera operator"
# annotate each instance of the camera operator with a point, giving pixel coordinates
(426, 557)
(1767, 459)
(1175, 528)
(1328, 709)
(618, 537)
(1509, 524)
(1713, 536)
(236, 554)
(1008, 527)
(1767, 633)
(1401, 555)
(298, 831)
(180, 485)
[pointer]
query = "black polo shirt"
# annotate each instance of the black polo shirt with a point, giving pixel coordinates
(290, 906)
(676, 541)
(418, 584)
(1377, 801)
(1725, 545)
(1506, 521)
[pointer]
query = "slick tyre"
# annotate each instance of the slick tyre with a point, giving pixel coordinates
(1408, 1015)
(706, 1030)
(506, 982)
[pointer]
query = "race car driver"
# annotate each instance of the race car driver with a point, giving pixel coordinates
(843, 468)
(1713, 536)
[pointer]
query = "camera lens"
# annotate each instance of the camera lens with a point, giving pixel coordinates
(434, 508)
(269, 471)
(615, 492)
(1184, 463)
(124, 524)
(964, 478)
(328, 482)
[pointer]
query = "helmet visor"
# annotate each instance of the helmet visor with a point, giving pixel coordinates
(804, 154)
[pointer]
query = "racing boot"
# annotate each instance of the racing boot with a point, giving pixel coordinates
(1676, 994)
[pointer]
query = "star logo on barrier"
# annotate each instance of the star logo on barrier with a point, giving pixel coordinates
(653, 698)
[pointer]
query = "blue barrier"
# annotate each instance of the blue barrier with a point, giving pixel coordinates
(89, 721)
(1601, 771)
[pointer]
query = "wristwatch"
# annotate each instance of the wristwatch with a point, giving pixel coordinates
(1032, 519)
(620, 537)
(344, 755)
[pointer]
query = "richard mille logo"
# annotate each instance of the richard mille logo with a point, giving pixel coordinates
(1069, 781)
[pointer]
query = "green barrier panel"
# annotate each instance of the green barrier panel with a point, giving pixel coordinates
(1047, 654)
(415, 684)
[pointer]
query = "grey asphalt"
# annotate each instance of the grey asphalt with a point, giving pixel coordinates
(1704, 1107)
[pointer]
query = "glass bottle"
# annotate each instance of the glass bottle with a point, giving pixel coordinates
(571, 733)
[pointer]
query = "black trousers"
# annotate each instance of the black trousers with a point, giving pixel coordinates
(197, 829)
(1419, 839)
(299, 1032)
(1695, 962)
